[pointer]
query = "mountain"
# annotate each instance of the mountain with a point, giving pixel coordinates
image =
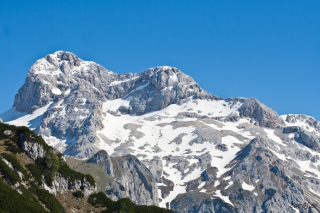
(34, 177)
(158, 138)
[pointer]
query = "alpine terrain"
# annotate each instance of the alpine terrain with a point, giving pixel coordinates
(159, 139)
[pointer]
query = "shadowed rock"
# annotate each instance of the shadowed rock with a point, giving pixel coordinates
(264, 116)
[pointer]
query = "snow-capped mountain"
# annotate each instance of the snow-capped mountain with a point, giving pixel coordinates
(204, 153)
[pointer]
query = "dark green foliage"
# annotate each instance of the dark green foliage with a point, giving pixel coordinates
(32, 136)
(90, 179)
(8, 173)
(152, 209)
(78, 194)
(48, 166)
(124, 205)
(15, 164)
(4, 127)
(52, 164)
(11, 147)
(49, 200)
(67, 172)
(100, 200)
(50, 161)
(36, 172)
(13, 202)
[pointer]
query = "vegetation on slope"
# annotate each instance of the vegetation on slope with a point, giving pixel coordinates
(22, 179)
(13, 202)
(124, 205)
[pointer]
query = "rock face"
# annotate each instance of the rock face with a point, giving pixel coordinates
(131, 178)
(264, 116)
(32, 149)
(165, 136)
(260, 182)
(103, 157)
(36, 151)
(78, 89)
(134, 180)
(62, 184)
(195, 202)
(309, 139)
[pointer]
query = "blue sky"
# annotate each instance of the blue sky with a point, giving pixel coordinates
(269, 50)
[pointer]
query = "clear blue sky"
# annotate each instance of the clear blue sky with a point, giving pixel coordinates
(264, 49)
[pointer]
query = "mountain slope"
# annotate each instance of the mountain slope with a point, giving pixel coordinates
(35, 178)
(194, 146)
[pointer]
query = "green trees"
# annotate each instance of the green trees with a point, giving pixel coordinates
(13, 202)
(124, 205)
(78, 194)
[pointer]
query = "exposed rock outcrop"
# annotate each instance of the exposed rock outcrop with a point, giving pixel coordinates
(31, 148)
(264, 116)
(103, 157)
(62, 184)
(133, 180)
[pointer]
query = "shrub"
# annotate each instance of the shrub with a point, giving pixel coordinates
(15, 164)
(78, 194)
(13, 202)
(4, 127)
(100, 200)
(49, 200)
(8, 173)
(11, 147)
(67, 172)
(36, 172)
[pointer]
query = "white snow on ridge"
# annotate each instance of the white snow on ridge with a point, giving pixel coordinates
(246, 186)
(280, 156)
(174, 77)
(224, 198)
(220, 163)
(11, 115)
(201, 185)
(56, 91)
(119, 82)
(160, 133)
(32, 121)
(301, 123)
(273, 137)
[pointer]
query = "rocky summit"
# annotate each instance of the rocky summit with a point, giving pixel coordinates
(160, 139)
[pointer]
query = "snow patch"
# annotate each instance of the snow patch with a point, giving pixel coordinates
(248, 187)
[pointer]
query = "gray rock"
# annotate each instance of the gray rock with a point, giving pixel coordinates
(103, 157)
(62, 184)
(196, 202)
(264, 116)
(222, 147)
(210, 174)
(7, 132)
(67, 81)
(75, 90)
(133, 180)
(33, 149)
(304, 137)
(303, 118)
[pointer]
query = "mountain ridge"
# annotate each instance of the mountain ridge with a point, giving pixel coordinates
(185, 137)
